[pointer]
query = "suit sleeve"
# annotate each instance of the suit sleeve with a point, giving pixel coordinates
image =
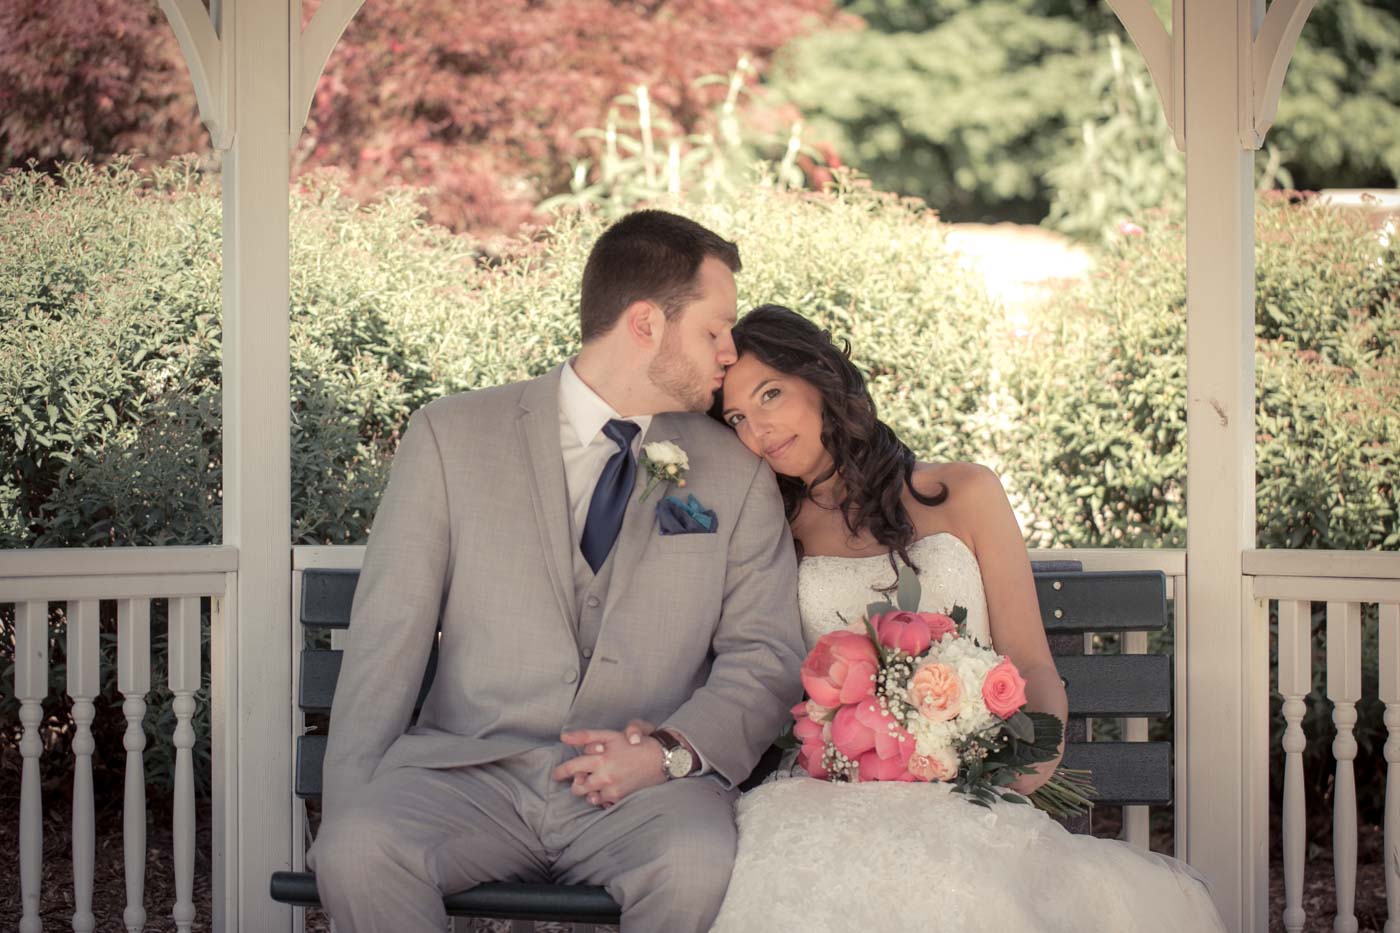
(394, 617)
(758, 650)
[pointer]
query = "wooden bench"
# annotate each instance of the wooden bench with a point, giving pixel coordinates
(1072, 603)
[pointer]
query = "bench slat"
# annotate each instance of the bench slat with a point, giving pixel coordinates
(320, 672)
(1125, 773)
(311, 752)
(1102, 601)
(1117, 684)
(499, 900)
(326, 597)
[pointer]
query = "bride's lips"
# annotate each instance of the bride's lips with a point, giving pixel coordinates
(780, 449)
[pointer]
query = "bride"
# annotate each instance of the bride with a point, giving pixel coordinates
(822, 856)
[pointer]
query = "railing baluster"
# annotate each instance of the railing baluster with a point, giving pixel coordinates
(134, 681)
(1294, 684)
(82, 687)
(183, 634)
(1344, 689)
(1390, 696)
(31, 686)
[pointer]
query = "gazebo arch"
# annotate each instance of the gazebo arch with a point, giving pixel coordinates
(1218, 71)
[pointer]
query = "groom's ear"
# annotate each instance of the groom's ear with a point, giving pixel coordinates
(645, 322)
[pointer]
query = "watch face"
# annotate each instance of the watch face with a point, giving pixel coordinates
(679, 761)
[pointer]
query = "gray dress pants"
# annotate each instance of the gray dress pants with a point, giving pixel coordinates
(412, 834)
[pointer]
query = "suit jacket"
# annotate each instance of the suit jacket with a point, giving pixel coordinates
(699, 632)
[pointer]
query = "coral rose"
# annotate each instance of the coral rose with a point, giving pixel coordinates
(1004, 690)
(840, 669)
(936, 692)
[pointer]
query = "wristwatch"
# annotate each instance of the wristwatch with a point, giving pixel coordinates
(678, 761)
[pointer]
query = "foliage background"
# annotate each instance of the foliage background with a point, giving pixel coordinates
(970, 104)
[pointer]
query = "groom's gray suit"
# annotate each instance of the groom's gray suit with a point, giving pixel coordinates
(696, 632)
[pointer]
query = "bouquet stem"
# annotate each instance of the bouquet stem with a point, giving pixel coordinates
(1068, 793)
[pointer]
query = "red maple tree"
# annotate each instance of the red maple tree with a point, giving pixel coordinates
(477, 102)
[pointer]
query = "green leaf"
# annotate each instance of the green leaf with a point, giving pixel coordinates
(909, 590)
(877, 609)
(1021, 727)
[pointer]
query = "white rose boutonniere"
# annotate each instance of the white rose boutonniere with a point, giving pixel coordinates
(664, 463)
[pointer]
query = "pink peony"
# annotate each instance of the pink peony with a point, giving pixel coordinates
(1004, 690)
(841, 669)
(810, 758)
(911, 632)
(887, 731)
(810, 734)
(851, 737)
(936, 692)
(875, 768)
(1128, 228)
(940, 766)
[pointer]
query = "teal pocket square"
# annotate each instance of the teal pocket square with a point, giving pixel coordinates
(684, 518)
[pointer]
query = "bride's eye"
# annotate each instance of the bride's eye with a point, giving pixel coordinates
(772, 394)
(733, 420)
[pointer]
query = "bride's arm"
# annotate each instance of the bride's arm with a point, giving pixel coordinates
(1012, 608)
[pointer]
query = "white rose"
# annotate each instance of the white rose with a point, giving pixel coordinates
(666, 453)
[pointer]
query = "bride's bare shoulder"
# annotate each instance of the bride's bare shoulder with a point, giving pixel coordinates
(968, 482)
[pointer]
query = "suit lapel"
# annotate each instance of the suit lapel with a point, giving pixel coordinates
(639, 522)
(538, 428)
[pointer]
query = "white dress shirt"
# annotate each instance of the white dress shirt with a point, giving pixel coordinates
(586, 450)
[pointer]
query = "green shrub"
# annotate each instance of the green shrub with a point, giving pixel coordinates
(1100, 444)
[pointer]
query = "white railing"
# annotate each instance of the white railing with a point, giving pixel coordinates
(1347, 582)
(80, 580)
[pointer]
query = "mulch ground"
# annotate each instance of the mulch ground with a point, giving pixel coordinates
(109, 889)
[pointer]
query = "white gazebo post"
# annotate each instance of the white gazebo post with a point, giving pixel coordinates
(254, 70)
(1219, 73)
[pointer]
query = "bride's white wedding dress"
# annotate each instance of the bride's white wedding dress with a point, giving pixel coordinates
(817, 856)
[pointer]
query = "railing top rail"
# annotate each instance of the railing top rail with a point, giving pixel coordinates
(116, 561)
(1356, 565)
(328, 557)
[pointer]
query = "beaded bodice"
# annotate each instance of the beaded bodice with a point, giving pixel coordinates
(829, 588)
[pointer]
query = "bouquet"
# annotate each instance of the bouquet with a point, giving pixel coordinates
(913, 697)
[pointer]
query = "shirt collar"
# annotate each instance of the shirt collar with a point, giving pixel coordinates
(585, 411)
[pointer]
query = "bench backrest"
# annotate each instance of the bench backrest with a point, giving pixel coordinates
(1072, 603)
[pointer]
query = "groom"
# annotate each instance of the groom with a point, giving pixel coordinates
(568, 605)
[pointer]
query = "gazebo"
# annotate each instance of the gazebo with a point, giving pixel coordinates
(1218, 69)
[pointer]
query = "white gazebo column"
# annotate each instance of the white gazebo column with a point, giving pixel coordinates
(1220, 760)
(257, 451)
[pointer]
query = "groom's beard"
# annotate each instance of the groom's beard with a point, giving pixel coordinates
(678, 377)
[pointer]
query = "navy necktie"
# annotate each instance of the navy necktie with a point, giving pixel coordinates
(610, 496)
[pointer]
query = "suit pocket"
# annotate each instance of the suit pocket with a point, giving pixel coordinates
(686, 543)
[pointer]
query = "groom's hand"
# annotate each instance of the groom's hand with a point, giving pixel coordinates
(612, 764)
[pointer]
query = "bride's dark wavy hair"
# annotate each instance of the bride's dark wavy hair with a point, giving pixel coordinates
(874, 464)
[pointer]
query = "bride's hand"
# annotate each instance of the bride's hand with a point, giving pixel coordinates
(1027, 784)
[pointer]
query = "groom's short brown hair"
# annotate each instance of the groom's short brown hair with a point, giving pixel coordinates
(647, 256)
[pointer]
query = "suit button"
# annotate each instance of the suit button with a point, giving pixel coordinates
(570, 677)
(592, 602)
(588, 652)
